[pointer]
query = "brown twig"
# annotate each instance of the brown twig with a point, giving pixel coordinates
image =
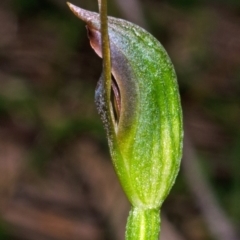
(217, 221)
(105, 48)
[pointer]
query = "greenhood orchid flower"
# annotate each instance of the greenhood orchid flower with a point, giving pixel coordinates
(142, 117)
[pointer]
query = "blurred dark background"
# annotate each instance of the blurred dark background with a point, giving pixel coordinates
(56, 178)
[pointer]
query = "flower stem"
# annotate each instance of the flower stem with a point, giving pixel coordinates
(143, 224)
(105, 48)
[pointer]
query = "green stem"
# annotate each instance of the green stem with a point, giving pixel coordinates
(143, 224)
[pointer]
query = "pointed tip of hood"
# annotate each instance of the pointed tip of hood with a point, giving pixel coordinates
(91, 18)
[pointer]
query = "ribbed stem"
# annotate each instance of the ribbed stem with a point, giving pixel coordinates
(143, 224)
